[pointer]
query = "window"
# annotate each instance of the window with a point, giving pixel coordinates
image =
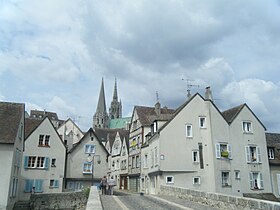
(123, 164)
(137, 162)
(253, 154)
(41, 139)
(54, 183)
(53, 162)
(223, 150)
(202, 122)
(237, 174)
(189, 131)
(133, 162)
(256, 181)
(40, 162)
(89, 149)
(225, 179)
(87, 168)
(37, 184)
(145, 161)
(270, 152)
(195, 156)
(47, 140)
(154, 127)
(169, 179)
(196, 180)
(247, 127)
(31, 161)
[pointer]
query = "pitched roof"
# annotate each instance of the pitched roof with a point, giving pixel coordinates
(231, 114)
(106, 134)
(38, 113)
(148, 114)
(10, 116)
(30, 125)
(119, 122)
(273, 140)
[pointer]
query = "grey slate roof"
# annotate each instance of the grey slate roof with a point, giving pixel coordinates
(38, 113)
(147, 114)
(230, 114)
(10, 116)
(30, 125)
(273, 140)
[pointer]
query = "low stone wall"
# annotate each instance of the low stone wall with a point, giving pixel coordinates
(65, 201)
(220, 201)
(94, 201)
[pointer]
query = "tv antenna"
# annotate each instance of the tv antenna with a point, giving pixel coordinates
(189, 86)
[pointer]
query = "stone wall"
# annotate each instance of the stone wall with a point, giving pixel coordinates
(65, 201)
(220, 201)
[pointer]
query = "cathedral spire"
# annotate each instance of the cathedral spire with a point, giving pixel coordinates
(115, 111)
(115, 96)
(100, 118)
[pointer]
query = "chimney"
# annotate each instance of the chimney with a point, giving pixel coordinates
(208, 93)
(157, 108)
(189, 95)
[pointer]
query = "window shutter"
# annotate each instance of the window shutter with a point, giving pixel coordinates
(56, 185)
(26, 162)
(229, 151)
(47, 161)
(27, 186)
(39, 185)
(247, 150)
(261, 180)
(251, 180)
(218, 151)
(258, 154)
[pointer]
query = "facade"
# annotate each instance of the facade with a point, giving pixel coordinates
(201, 148)
(86, 162)
(140, 126)
(70, 133)
(37, 114)
(43, 163)
(119, 159)
(11, 149)
(273, 152)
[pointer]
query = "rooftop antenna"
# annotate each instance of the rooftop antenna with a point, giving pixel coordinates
(189, 86)
(157, 97)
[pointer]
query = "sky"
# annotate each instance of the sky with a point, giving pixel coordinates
(53, 54)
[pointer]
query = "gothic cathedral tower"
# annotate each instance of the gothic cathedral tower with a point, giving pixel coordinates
(115, 111)
(101, 118)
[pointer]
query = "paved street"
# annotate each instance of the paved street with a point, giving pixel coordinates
(125, 201)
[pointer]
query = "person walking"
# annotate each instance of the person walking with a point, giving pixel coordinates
(103, 185)
(111, 184)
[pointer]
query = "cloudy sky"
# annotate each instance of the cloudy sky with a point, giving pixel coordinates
(53, 54)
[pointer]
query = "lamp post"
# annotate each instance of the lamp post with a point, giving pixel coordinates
(90, 159)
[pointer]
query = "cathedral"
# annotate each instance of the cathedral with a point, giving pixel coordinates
(101, 119)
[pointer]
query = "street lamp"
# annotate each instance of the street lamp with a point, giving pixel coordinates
(90, 159)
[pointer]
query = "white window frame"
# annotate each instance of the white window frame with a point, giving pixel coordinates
(87, 168)
(197, 156)
(189, 131)
(169, 182)
(270, 152)
(89, 149)
(250, 156)
(137, 159)
(247, 127)
(219, 152)
(225, 182)
(202, 124)
(237, 174)
(194, 180)
(256, 183)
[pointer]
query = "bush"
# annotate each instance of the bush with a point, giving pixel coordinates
(86, 191)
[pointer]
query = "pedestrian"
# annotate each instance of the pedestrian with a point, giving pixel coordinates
(33, 190)
(111, 184)
(103, 185)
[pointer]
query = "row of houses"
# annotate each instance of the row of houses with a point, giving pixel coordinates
(195, 146)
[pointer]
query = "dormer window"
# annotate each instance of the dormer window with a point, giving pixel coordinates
(270, 152)
(155, 127)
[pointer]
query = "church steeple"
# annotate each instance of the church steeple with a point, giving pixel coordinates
(100, 118)
(115, 111)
